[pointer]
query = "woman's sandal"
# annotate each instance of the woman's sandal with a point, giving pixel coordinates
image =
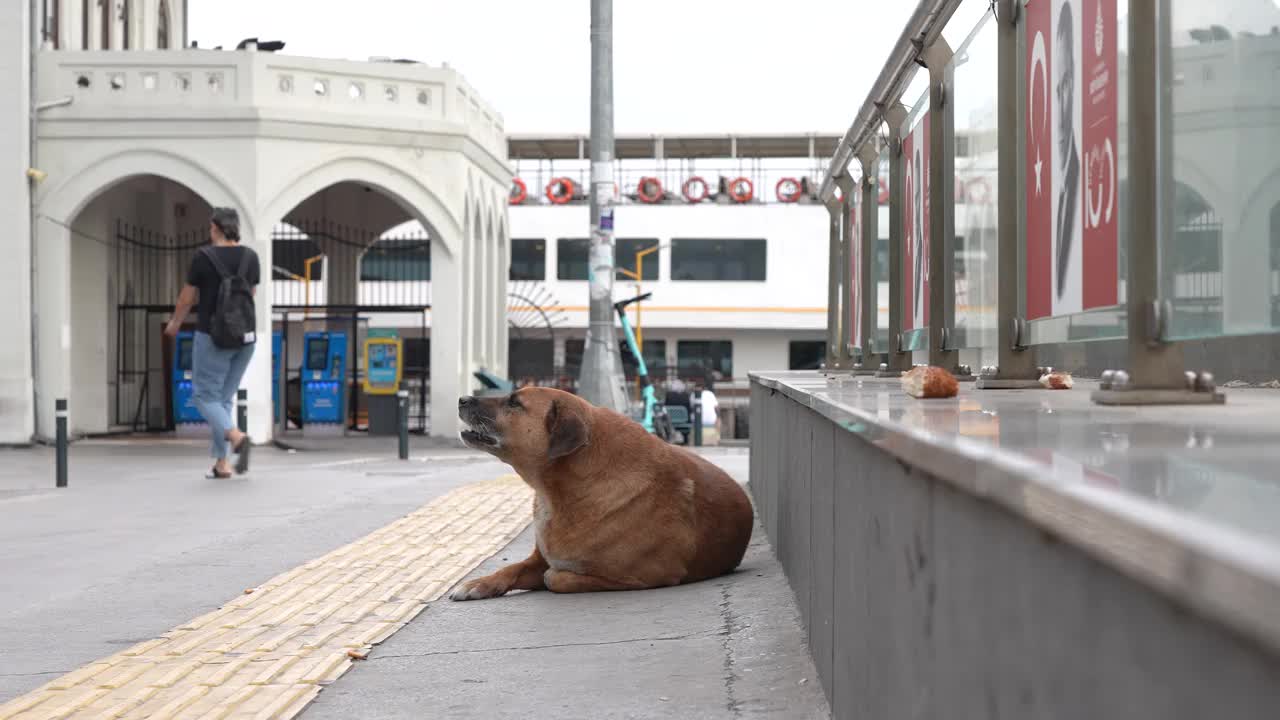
(242, 460)
(213, 474)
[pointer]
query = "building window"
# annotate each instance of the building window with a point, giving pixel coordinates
(806, 354)
(718, 260)
(705, 359)
(655, 357)
(571, 258)
(572, 254)
(397, 261)
(124, 23)
(84, 24)
(104, 18)
(530, 358)
(50, 22)
(528, 259)
(162, 26)
(289, 258)
(625, 257)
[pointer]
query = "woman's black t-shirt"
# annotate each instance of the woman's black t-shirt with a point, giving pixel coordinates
(205, 278)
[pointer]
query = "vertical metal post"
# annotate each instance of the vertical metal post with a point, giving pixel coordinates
(896, 361)
(869, 156)
(845, 346)
(834, 211)
(697, 418)
(1156, 372)
(601, 381)
(942, 307)
(402, 420)
(282, 401)
(1016, 368)
(60, 416)
(242, 410)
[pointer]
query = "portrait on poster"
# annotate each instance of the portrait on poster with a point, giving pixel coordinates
(1070, 154)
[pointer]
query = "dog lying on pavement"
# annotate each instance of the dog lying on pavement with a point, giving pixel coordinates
(614, 508)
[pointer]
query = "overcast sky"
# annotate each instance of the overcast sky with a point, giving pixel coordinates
(707, 66)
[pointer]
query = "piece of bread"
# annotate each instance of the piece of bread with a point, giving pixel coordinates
(930, 382)
(1057, 381)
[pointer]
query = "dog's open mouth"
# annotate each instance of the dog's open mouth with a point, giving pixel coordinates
(480, 437)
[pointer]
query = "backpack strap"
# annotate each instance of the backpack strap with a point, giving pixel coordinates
(243, 270)
(221, 269)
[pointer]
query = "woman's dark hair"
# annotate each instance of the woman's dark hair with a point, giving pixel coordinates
(227, 221)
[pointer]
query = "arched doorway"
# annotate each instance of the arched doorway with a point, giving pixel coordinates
(353, 260)
(129, 250)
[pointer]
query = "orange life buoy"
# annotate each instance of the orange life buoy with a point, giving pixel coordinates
(741, 190)
(519, 191)
(788, 190)
(695, 189)
(650, 190)
(560, 190)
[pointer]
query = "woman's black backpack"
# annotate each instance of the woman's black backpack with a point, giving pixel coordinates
(234, 321)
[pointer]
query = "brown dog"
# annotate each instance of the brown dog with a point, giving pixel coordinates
(614, 508)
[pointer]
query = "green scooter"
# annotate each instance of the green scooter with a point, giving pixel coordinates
(655, 418)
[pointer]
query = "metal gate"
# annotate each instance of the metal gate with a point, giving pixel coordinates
(147, 271)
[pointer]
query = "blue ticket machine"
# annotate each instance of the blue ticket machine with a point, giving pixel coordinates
(324, 365)
(277, 344)
(184, 410)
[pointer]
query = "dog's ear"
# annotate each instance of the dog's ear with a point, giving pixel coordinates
(566, 431)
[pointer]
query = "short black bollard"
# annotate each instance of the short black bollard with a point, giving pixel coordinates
(242, 410)
(60, 415)
(697, 418)
(402, 421)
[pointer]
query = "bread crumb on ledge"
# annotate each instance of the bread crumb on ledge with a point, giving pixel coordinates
(930, 382)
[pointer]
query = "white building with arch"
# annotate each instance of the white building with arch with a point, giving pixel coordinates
(113, 123)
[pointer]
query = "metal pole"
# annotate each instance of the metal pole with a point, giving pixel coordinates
(870, 159)
(844, 272)
(60, 414)
(834, 210)
(942, 307)
(402, 411)
(697, 418)
(1156, 372)
(1016, 368)
(601, 379)
(896, 361)
(242, 410)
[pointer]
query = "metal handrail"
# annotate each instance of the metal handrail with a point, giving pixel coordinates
(922, 29)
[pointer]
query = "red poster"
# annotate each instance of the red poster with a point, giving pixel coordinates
(1071, 156)
(855, 265)
(915, 226)
(1101, 148)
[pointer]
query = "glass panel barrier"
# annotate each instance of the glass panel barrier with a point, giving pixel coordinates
(915, 226)
(1074, 92)
(972, 72)
(1220, 249)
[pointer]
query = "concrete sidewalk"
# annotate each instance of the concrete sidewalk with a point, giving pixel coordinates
(141, 544)
(725, 648)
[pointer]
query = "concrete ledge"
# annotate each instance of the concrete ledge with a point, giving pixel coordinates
(945, 567)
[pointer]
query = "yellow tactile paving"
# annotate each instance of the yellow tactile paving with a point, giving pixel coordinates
(267, 653)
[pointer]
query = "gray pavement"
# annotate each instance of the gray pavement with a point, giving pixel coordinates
(140, 543)
(725, 648)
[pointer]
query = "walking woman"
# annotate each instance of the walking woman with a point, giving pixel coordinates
(221, 282)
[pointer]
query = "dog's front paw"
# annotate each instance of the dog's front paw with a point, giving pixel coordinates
(479, 589)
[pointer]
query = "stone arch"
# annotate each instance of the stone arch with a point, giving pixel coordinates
(418, 200)
(66, 200)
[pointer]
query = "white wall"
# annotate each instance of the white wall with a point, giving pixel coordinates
(16, 415)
